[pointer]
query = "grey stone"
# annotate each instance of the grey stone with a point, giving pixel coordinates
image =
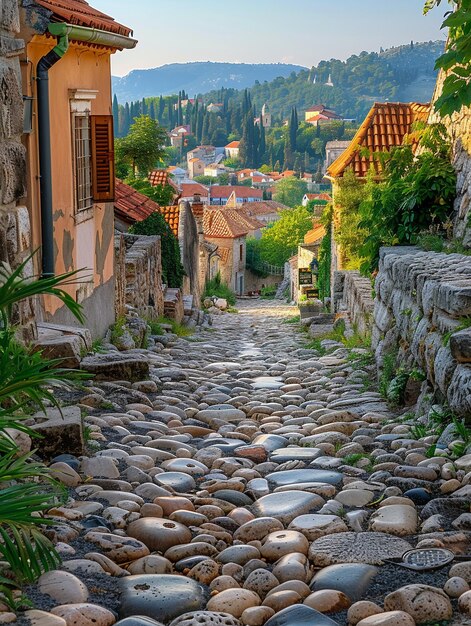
(163, 595)
(289, 454)
(291, 477)
(352, 579)
(460, 346)
(270, 442)
(116, 367)
(299, 615)
(286, 505)
(366, 547)
(180, 482)
(61, 432)
(137, 620)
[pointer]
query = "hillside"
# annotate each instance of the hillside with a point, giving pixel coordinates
(401, 73)
(194, 78)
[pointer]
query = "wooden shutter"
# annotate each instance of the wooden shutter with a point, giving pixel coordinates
(102, 158)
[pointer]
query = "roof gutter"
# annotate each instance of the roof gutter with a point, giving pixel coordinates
(92, 35)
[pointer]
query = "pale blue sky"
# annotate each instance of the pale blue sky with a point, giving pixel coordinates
(265, 31)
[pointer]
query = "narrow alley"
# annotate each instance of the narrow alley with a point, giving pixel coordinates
(252, 481)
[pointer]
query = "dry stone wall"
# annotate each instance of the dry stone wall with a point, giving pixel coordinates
(15, 230)
(353, 292)
(138, 272)
(423, 299)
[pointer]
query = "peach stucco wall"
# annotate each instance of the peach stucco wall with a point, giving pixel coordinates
(81, 241)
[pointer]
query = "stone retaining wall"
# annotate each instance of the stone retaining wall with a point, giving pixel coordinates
(353, 292)
(138, 272)
(422, 299)
(15, 229)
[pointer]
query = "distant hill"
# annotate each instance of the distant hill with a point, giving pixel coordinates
(194, 78)
(403, 73)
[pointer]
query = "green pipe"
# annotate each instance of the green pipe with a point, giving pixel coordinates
(92, 35)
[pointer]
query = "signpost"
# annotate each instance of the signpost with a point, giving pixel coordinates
(305, 277)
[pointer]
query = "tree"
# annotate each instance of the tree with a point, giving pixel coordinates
(143, 148)
(115, 114)
(456, 61)
(290, 191)
(280, 240)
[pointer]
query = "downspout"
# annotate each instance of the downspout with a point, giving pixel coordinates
(44, 136)
(63, 32)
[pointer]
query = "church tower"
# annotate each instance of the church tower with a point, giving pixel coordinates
(266, 116)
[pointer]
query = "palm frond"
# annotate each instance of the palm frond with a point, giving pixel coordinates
(27, 552)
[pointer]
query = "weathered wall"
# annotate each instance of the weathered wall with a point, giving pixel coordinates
(421, 299)
(14, 218)
(139, 275)
(189, 250)
(459, 129)
(353, 292)
(255, 283)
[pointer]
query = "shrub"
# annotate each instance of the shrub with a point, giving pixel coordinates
(215, 287)
(172, 269)
(26, 382)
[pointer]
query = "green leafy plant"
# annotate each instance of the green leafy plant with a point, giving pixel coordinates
(292, 320)
(215, 287)
(268, 293)
(456, 60)
(26, 384)
(388, 371)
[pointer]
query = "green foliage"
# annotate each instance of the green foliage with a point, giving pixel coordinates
(177, 329)
(290, 191)
(162, 194)
(292, 320)
(172, 269)
(268, 293)
(26, 384)
(215, 287)
(349, 235)
(456, 60)
(325, 255)
(388, 371)
(280, 240)
(143, 147)
(417, 194)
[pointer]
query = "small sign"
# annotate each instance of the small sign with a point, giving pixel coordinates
(305, 276)
(312, 293)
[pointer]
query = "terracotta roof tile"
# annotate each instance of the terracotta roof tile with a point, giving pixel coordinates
(315, 234)
(131, 205)
(172, 216)
(233, 144)
(224, 191)
(319, 196)
(162, 177)
(384, 127)
(80, 13)
(189, 190)
(221, 223)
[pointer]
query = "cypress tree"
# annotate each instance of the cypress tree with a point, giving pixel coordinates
(144, 107)
(263, 145)
(116, 114)
(126, 120)
(161, 109)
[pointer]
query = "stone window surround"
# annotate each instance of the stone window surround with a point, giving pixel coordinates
(80, 104)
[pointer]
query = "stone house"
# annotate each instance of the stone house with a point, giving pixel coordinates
(190, 190)
(232, 150)
(64, 170)
(196, 167)
(266, 211)
(333, 149)
(319, 113)
(223, 228)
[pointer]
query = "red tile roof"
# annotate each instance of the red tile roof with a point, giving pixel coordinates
(384, 127)
(172, 216)
(222, 223)
(233, 144)
(132, 206)
(162, 177)
(319, 196)
(315, 234)
(224, 191)
(189, 190)
(80, 13)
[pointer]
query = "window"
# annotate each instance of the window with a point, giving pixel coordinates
(241, 252)
(82, 161)
(92, 151)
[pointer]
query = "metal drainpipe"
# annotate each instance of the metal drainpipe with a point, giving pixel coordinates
(44, 134)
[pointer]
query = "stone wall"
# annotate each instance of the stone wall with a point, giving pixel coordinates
(353, 292)
(422, 300)
(15, 231)
(459, 130)
(138, 271)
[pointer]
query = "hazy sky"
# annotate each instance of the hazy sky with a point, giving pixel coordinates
(265, 31)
